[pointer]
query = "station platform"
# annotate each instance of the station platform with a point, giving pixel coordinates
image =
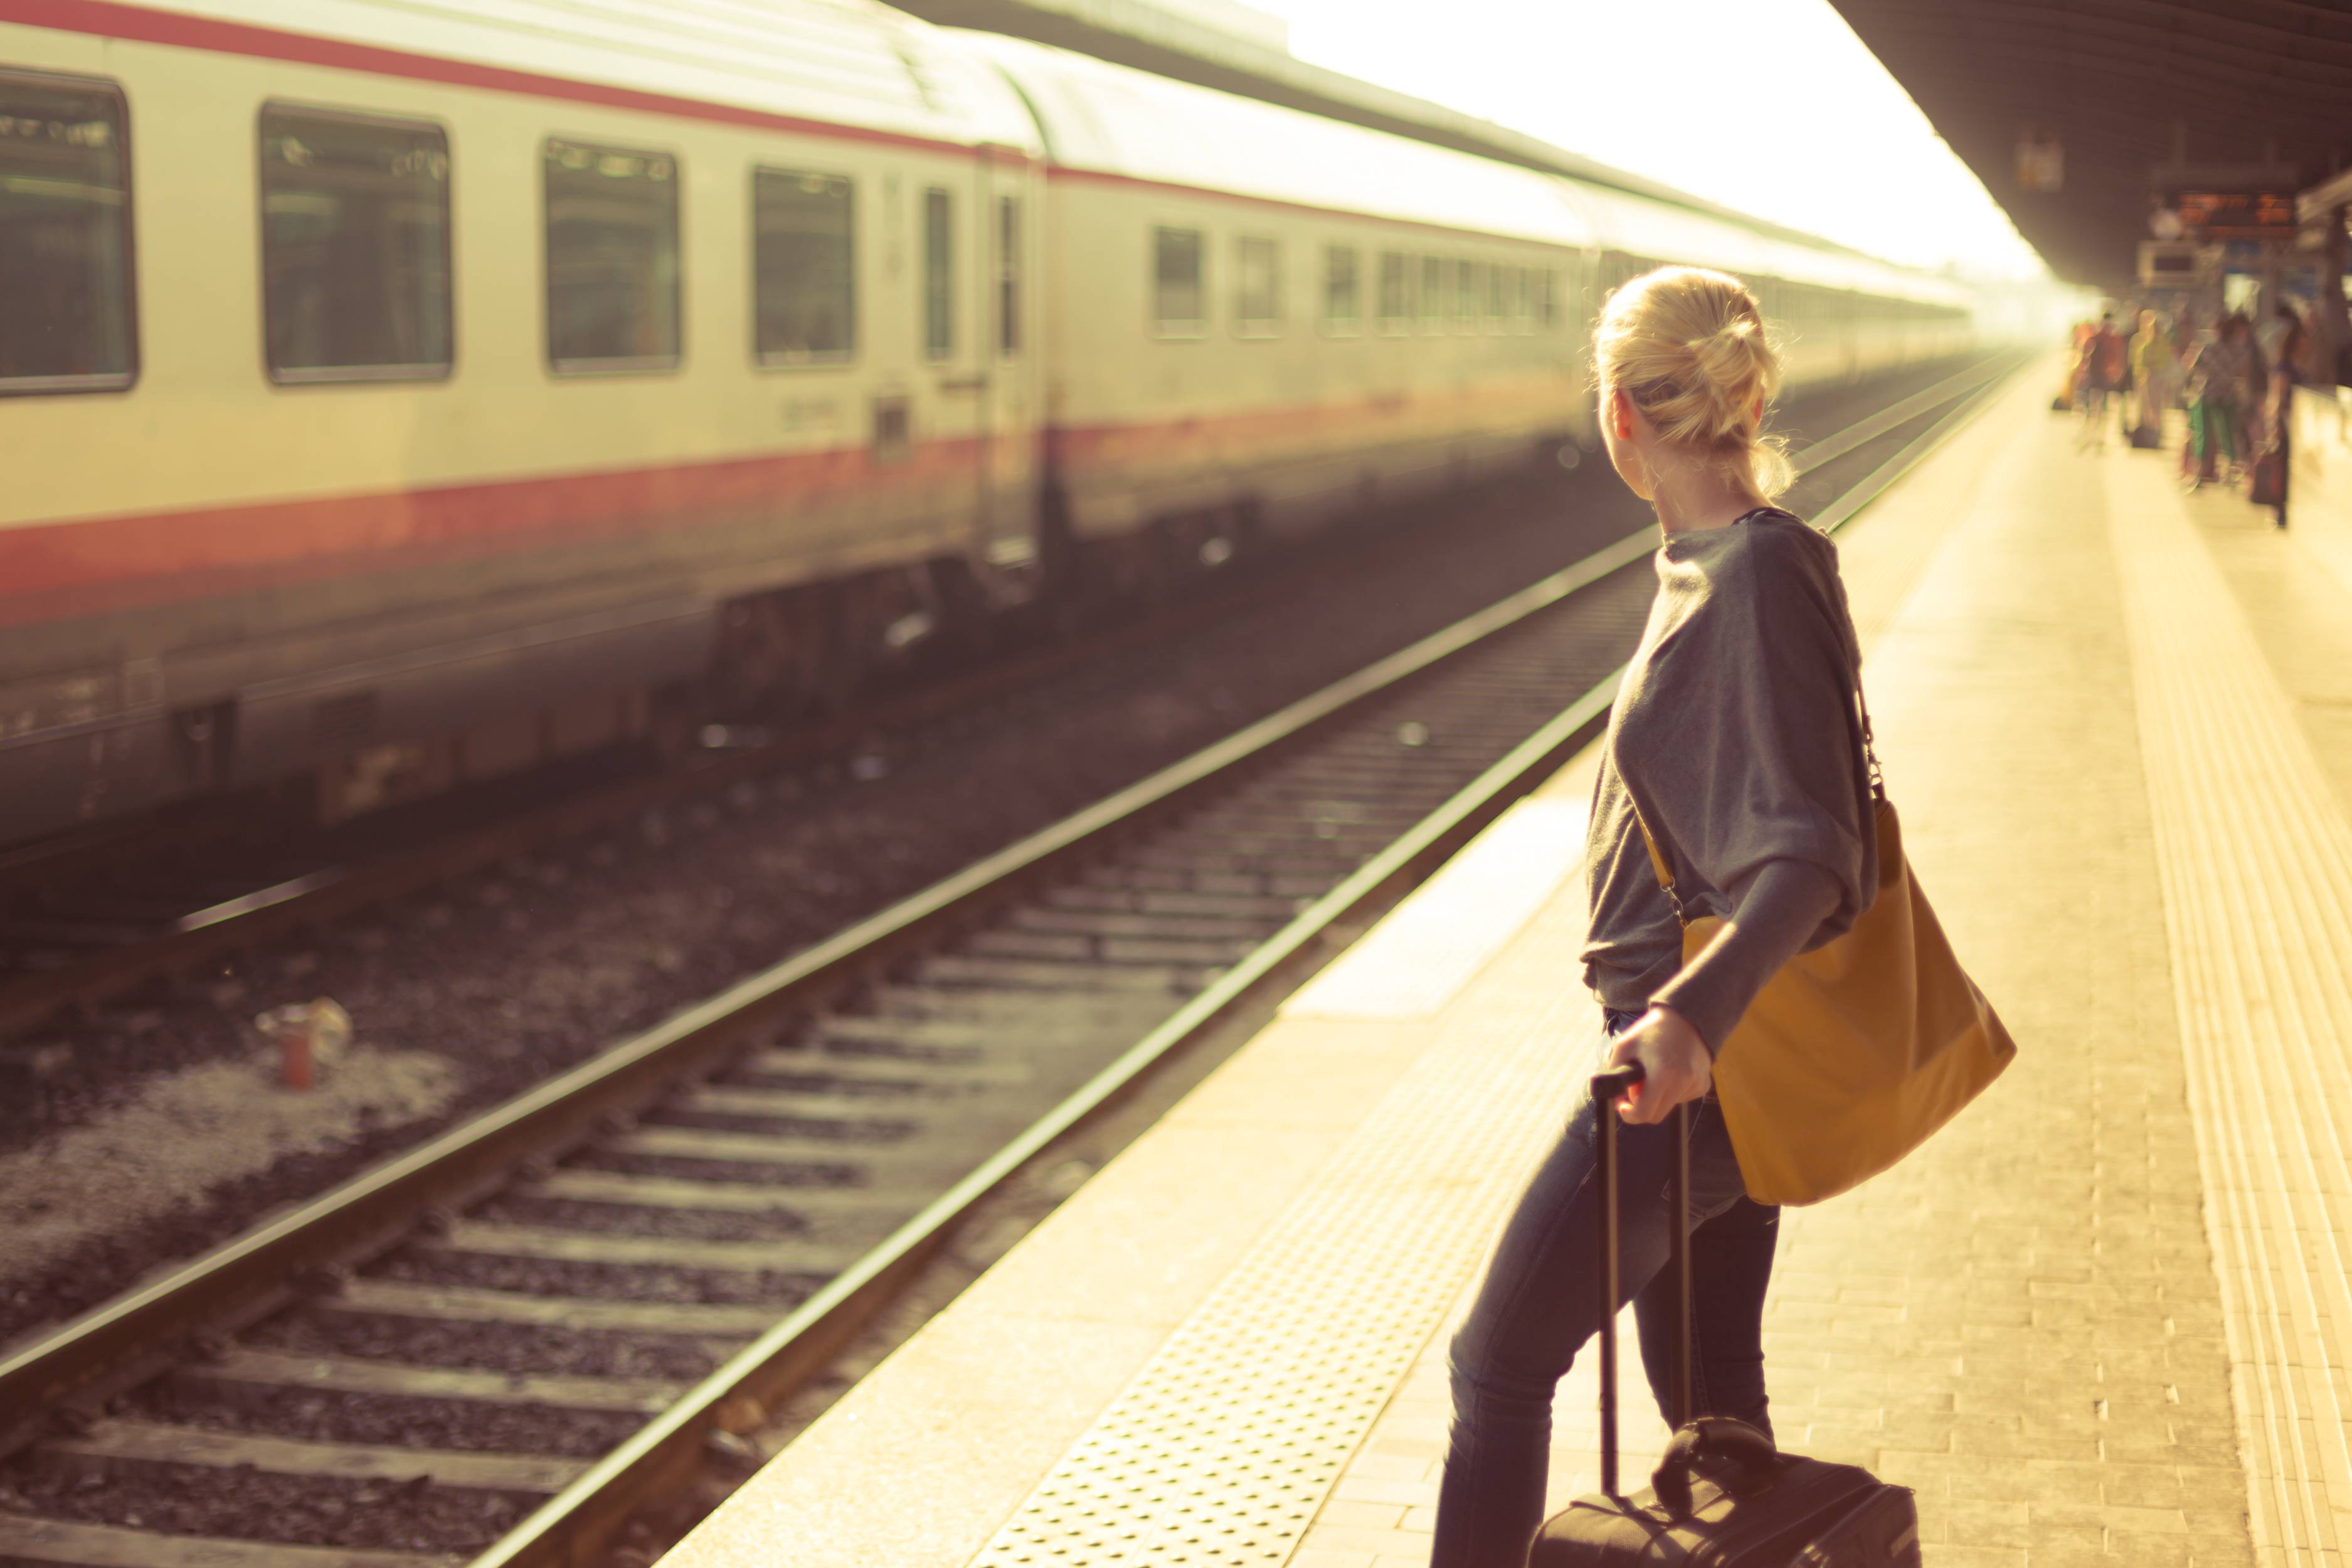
(2103, 1318)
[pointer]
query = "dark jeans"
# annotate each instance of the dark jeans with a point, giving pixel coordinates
(1536, 1307)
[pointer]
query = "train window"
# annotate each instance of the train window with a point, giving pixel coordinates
(354, 246)
(1008, 276)
(803, 267)
(612, 257)
(1257, 289)
(1544, 310)
(1396, 291)
(1469, 293)
(1179, 292)
(1499, 295)
(939, 274)
(66, 316)
(1342, 311)
(1436, 293)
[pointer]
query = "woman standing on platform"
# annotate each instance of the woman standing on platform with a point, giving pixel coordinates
(1735, 738)
(2220, 374)
(2156, 370)
(2278, 414)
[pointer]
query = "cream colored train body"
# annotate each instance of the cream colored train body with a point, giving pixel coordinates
(952, 322)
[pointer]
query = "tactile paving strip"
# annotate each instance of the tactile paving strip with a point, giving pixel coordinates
(2256, 861)
(1224, 1447)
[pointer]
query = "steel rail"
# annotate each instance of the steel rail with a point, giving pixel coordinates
(122, 1341)
(333, 892)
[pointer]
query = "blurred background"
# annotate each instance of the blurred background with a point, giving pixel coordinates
(634, 631)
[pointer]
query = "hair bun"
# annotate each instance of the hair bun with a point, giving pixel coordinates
(1730, 364)
(1688, 346)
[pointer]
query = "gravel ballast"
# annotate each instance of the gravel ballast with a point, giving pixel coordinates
(305, 1510)
(602, 1281)
(390, 1421)
(511, 976)
(534, 1350)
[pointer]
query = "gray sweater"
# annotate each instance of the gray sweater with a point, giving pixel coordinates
(1736, 731)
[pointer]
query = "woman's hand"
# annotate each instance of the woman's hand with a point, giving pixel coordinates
(1676, 1067)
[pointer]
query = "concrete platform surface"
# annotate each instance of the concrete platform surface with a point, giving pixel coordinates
(2103, 1318)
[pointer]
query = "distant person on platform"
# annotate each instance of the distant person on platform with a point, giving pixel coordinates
(1736, 731)
(2220, 374)
(2290, 366)
(2103, 366)
(2070, 394)
(2188, 337)
(2331, 319)
(2155, 373)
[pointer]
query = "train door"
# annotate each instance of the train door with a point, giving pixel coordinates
(1009, 362)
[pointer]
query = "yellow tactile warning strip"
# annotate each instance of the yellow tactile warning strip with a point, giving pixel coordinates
(2256, 859)
(1225, 1446)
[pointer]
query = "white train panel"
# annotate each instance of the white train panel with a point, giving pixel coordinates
(247, 560)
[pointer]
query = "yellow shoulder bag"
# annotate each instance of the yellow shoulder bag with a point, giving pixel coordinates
(1852, 1053)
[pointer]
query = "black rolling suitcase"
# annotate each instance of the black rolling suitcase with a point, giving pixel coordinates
(1723, 1497)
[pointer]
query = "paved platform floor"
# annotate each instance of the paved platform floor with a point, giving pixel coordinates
(2103, 1318)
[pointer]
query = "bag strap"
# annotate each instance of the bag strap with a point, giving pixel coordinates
(1862, 704)
(1657, 861)
(1869, 745)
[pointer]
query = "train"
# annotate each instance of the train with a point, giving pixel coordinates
(398, 393)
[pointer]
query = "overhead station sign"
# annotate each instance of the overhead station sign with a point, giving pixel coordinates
(2040, 160)
(2236, 215)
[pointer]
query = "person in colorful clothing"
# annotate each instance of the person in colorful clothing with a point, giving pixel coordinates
(2278, 409)
(2103, 368)
(2219, 376)
(2155, 372)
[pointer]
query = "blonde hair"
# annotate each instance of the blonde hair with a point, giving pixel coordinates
(1688, 347)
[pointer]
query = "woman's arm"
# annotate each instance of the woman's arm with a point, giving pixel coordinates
(1778, 912)
(1676, 1040)
(1757, 784)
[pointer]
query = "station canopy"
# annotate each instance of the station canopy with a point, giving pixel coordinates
(2078, 115)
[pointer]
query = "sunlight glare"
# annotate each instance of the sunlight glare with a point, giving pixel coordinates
(1773, 107)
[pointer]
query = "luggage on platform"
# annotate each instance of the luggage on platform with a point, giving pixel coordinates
(1723, 1497)
(2146, 436)
(2267, 485)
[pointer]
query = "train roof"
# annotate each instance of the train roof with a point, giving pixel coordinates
(1643, 225)
(1113, 118)
(853, 63)
(1110, 118)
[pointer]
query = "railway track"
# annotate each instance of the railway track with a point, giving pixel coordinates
(98, 916)
(89, 918)
(495, 1347)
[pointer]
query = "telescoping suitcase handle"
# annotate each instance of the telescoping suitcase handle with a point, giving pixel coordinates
(1607, 1086)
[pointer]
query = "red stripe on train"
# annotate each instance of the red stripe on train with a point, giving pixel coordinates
(52, 571)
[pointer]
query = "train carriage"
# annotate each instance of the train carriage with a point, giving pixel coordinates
(401, 393)
(497, 369)
(1313, 314)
